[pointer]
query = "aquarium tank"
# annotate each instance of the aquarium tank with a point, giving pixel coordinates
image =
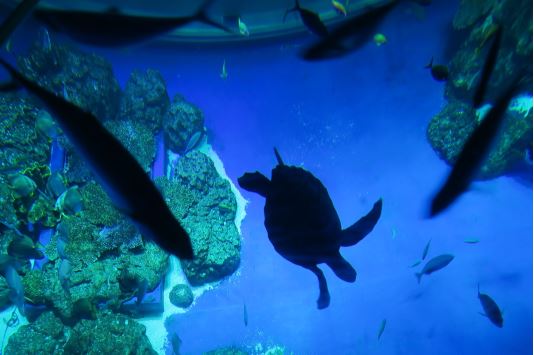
(299, 177)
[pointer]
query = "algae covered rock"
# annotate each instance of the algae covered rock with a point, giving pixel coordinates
(181, 296)
(205, 204)
(183, 125)
(449, 129)
(145, 99)
(44, 336)
(84, 79)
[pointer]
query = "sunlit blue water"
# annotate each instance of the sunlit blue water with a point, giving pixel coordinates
(359, 125)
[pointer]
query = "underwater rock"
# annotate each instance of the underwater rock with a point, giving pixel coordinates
(470, 11)
(515, 56)
(231, 350)
(44, 336)
(181, 296)
(145, 99)
(20, 144)
(98, 208)
(107, 334)
(137, 137)
(183, 125)
(206, 205)
(84, 79)
(449, 129)
(122, 236)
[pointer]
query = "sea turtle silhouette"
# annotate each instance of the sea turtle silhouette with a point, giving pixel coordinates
(303, 225)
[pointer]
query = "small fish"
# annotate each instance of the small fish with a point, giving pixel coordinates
(471, 241)
(70, 202)
(491, 309)
(224, 73)
(310, 19)
(243, 28)
(434, 264)
(64, 271)
(55, 185)
(416, 263)
(141, 291)
(381, 328)
(46, 125)
(15, 18)
(121, 176)
(16, 293)
(439, 72)
(425, 251)
(379, 39)
(7, 261)
(245, 314)
(21, 185)
(23, 247)
(113, 28)
(350, 36)
(194, 141)
(339, 7)
(487, 69)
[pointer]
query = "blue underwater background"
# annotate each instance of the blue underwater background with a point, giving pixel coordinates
(359, 125)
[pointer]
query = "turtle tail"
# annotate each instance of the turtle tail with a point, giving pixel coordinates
(278, 157)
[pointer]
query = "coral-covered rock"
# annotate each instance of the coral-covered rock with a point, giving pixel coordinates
(183, 126)
(145, 99)
(181, 296)
(205, 204)
(84, 79)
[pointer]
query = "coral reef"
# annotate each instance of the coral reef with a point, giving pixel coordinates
(183, 125)
(209, 217)
(145, 99)
(449, 129)
(84, 79)
(104, 335)
(181, 296)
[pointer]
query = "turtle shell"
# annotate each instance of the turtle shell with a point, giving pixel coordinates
(300, 218)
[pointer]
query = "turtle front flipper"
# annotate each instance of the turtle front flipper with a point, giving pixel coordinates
(342, 268)
(255, 182)
(324, 296)
(362, 227)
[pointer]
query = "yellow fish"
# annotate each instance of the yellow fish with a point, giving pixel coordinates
(379, 39)
(340, 8)
(243, 29)
(224, 73)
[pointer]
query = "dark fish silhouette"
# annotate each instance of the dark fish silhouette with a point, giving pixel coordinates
(303, 225)
(425, 251)
(124, 180)
(113, 28)
(15, 18)
(245, 314)
(439, 72)
(310, 19)
(473, 153)
(491, 310)
(488, 68)
(349, 36)
(381, 328)
(23, 247)
(433, 265)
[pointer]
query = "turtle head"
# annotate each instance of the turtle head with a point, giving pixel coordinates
(255, 182)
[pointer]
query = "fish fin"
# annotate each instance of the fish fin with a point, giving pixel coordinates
(429, 65)
(482, 314)
(418, 276)
(202, 16)
(342, 268)
(293, 9)
(255, 182)
(278, 157)
(356, 232)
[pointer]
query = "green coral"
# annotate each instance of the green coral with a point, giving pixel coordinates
(98, 208)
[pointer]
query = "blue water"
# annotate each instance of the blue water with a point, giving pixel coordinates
(359, 125)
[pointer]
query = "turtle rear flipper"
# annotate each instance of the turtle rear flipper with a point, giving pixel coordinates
(255, 182)
(362, 227)
(342, 268)
(324, 296)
